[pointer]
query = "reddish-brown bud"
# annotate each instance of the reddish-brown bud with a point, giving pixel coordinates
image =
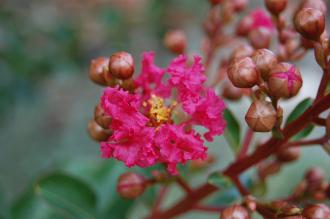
(121, 65)
(231, 92)
(314, 175)
(244, 26)
(97, 132)
(265, 60)
(176, 41)
(215, 2)
(250, 203)
(242, 73)
(101, 118)
(261, 116)
(284, 80)
(131, 185)
(269, 168)
(310, 23)
(98, 69)
(316, 211)
(276, 6)
(316, 4)
(235, 212)
(260, 38)
(241, 51)
(288, 154)
(238, 5)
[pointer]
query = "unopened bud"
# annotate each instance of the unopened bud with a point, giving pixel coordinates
(267, 169)
(121, 65)
(250, 203)
(101, 118)
(241, 51)
(310, 23)
(261, 116)
(316, 4)
(97, 132)
(288, 154)
(176, 41)
(238, 5)
(265, 60)
(244, 26)
(98, 69)
(215, 2)
(260, 37)
(314, 175)
(316, 211)
(276, 6)
(242, 73)
(284, 80)
(231, 92)
(235, 212)
(131, 185)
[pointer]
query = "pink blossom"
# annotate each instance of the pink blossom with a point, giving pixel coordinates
(177, 146)
(150, 78)
(290, 76)
(260, 18)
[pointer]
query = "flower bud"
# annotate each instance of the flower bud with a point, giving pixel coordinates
(250, 203)
(121, 65)
(288, 154)
(231, 92)
(97, 132)
(101, 118)
(241, 51)
(238, 5)
(316, 211)
(176, 41)
(131, 185)
(261, 116)
(98, 69)
(260, 37)
(265, 60)
(242, 73)
(310, 23)
(284, 80)
(215, 2)
(235, 212)
(267, 169)
(306, 43)
(244, 26)
(276, 6)
(314, 175)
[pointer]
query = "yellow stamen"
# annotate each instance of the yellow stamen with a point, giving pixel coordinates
(158, 111)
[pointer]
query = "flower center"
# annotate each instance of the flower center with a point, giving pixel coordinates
(159, 113)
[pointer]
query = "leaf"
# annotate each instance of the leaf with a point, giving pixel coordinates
(233, 130)
(259, 189)
(298, 111)
(219, 180)
(68, 194)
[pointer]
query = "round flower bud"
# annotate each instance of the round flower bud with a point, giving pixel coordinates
(98, 69)
(267, 169)
(260, 37)
(316, 4)
(261, 116)
(121, 65)
(241, 51)
(231, 92)
(315, 175)
(276, 6)
(265, 60)
(176, 41)
(235, 212)
(215, 2)
(288, 154)
(101, 118)
(284, 80)
(238, 5)
(310, 23)
(316, 211)
(244, 26)
(242, 73)
(97, 132)
(131, 185)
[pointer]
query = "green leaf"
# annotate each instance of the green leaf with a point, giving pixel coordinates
(259, 189)
(233, 130)
(298, 111)
(219, 180)
(68, 194)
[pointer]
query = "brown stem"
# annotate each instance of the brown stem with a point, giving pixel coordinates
(211, 209)
(323, 84)
(246, 143)
(316, 141)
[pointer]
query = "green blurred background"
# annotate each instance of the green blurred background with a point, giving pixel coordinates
(46, 99)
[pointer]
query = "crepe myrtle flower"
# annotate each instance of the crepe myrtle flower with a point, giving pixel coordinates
(144, 131)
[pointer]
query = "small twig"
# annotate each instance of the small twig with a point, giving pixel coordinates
(160, 198)
(246, 143)
(242, 190)
(183, 184)
(316, 141)
(210, 209)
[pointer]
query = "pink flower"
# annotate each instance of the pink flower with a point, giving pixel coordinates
(208, 113)
(177, 146)
(260, 18)
(150, 78)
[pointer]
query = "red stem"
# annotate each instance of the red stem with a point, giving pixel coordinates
(246, 143)
(323, 84)
(183, 184)
(316, 141)
(213, 209)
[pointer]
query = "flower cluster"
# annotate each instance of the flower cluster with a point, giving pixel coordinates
(144, 129)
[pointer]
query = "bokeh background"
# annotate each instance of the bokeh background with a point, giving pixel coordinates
(46, 98)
